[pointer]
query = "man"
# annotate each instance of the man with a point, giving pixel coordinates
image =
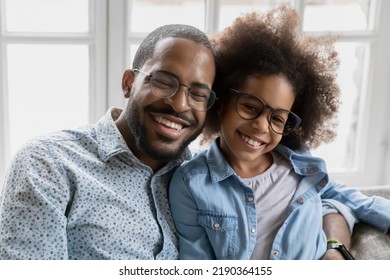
(100, 192)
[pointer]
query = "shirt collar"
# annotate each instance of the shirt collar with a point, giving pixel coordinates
(218, 166)
(110, 140)
(303, 161)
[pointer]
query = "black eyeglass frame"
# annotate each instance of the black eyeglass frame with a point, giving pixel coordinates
(210, 101)
(240, 94)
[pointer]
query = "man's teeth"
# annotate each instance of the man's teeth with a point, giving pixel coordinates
(168, 123)
(251, 141)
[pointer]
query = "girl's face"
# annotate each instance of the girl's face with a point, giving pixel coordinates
(249, 141)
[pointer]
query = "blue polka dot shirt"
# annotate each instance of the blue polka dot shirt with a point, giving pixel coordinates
(82, 194)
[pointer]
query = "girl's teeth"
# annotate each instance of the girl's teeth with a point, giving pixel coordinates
(251, 142)
(167, 123)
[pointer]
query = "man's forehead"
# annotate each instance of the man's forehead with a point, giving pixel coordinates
(180, 52)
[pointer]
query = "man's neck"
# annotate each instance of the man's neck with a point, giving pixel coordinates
(154, 164)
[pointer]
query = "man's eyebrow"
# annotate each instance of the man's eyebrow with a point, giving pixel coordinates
(202, 85)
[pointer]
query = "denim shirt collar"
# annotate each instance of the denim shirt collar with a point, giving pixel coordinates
(302, 161)
(218, 166)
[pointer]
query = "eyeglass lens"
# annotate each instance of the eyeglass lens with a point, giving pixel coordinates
(250, 107)
(199, 98)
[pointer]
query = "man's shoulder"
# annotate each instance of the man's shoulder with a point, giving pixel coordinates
(67, 134)
(60, 139)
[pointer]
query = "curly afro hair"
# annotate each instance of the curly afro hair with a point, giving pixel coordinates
(273, 44)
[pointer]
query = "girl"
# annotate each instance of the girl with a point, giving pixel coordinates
(257, 193)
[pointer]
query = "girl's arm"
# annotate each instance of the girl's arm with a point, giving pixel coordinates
(336, 227)
(193, 240)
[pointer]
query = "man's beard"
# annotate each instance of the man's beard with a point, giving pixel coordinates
(139, 132)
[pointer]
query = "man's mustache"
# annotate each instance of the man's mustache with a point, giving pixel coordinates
(186, 116)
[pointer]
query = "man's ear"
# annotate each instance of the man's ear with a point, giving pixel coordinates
(127, 82)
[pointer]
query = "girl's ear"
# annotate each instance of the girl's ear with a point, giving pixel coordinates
(127, 82)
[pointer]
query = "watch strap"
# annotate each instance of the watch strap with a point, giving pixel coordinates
(337, 245)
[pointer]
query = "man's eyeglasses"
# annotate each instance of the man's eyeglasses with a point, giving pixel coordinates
(250, 107)
(163, 85)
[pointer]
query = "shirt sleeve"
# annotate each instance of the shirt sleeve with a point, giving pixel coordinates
(33, 203)
(333, 206)
(373, 210)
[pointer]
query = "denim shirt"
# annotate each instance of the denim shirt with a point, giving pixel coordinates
(215, 214)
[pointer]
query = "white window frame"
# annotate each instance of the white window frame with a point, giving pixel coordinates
(373, 146)
(96, 40)
(374, 155)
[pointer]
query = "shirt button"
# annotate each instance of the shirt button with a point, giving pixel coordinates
(312, 170)
(250, 198)
(322, 183)
(301, 200)
(275, 253)
(253, 230)
(216, 226)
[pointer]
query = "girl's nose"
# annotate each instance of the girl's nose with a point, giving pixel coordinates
(261, 123)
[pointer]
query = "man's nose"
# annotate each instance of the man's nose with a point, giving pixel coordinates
(179, 101)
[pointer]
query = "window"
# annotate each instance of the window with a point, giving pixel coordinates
(361, 141)
(51, 68)
(67, 73)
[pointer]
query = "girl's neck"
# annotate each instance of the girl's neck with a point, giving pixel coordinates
(249, 169)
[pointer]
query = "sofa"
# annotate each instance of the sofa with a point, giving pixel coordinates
(369, 243)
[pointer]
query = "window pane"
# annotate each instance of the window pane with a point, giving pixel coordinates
(231, 9)
(146, 15)
(343, 153)
(48, 89)
(47, 15)
(343, 15)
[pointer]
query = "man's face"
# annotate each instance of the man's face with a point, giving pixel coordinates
(163, 127)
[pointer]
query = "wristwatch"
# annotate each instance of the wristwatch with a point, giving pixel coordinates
(335, 244)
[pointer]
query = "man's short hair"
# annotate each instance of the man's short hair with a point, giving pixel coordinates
(146, 49)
